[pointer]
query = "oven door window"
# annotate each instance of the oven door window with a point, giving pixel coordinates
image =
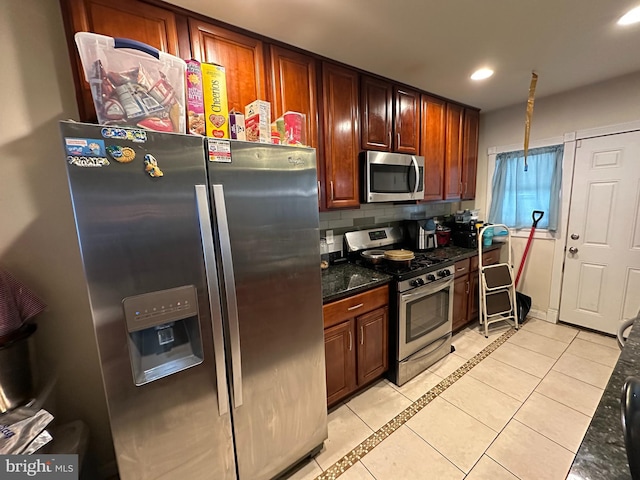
(426, 314)
(395, 178)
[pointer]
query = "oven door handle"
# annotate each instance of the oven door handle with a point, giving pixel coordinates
(417, 170)
(426, 290)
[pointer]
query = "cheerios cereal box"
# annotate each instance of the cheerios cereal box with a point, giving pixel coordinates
(216, 108)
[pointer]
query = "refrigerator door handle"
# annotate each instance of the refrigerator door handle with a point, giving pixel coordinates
(230, 291)
(206, 235)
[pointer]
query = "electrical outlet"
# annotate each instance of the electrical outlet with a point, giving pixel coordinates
(329, 236)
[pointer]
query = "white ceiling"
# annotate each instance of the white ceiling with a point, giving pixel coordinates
(436, 44)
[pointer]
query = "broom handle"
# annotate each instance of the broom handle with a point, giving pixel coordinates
(537, 216)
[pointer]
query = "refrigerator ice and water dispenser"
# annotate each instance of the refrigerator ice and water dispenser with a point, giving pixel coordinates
(164, 332)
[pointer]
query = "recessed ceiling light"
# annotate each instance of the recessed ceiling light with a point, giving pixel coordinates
(632, 16)
(481, 74)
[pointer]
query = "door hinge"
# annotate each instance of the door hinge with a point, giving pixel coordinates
(579, 144)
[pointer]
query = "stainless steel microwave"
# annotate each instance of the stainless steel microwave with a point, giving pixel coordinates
(392, 177)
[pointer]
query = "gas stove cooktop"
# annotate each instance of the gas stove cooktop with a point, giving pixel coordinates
(386, 238)
(422, 263)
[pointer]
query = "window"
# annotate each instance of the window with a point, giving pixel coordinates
(516, 192)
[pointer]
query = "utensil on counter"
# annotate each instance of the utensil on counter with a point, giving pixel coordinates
(399, 257)
(373, 256)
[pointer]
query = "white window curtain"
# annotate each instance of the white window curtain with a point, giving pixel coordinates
(517, 192)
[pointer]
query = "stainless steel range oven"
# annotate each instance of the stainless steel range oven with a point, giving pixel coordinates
(425, 310)
(421, 303)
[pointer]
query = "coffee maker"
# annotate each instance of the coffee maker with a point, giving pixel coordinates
(422, 234)
(464, 233)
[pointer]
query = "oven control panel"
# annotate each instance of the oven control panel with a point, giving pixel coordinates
(443, 274)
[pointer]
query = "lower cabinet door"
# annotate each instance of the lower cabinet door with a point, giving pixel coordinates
(340, 357)
(460, 301)
(474, 297)
(372, 334)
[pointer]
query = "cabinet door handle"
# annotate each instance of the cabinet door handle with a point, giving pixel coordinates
(467, 288)
(355, 307)
(461, 269)
(361, 335)
(390, 141)
(350, 341)
(460, 188)
(319, 194)
(331, 184)
(397, 140)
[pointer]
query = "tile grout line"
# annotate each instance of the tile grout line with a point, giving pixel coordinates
(357, 453)
(513, 418)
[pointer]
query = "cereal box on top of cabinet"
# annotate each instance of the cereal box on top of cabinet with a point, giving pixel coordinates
(132, 83)
(258, 121)
(216, 108)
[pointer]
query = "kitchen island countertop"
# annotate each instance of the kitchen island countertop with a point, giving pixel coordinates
(602, 453)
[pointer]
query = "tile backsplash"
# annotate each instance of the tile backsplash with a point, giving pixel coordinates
(374, 215)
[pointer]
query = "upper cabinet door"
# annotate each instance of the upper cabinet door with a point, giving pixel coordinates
(133, 19)
(341, 135)
(294, 88)
(407, 121)
(432, 146)
(470, 153)
(377, 113)
(241, 56)
(453, 155)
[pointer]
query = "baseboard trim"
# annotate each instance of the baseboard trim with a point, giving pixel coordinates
(539, 314)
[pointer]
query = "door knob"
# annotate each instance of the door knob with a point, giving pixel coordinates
(573, 250)
(575, 236)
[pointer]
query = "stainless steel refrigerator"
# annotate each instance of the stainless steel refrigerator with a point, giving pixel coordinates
(201, 259)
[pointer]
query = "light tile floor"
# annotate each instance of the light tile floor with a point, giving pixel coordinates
(520, 413)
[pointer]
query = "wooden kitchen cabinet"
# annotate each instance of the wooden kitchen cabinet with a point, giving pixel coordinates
(470, 134)
(340, 361)
(241, 56)
(377, 113)
(356, 340)
(453, 152)
(466, 298)
(460, 293)
(406, 120)
(432, 146)
(132, 19)
(341, 136)
(390, 116)
(373, 345)
(294, 87)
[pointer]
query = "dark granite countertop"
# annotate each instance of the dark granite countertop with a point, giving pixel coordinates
(602, 454)
(346, 279)
(454, 253)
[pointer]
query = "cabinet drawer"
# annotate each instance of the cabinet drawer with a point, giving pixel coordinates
(492, 257)
(350, 307)
(462, 267)
(488, 258)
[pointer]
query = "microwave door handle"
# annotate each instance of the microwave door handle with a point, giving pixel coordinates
(417, 170)
(213, 289)
(230, 291)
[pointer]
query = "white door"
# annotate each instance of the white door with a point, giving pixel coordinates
(601, 281)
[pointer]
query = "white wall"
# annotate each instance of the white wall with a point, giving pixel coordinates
(38, 244)
(607, 103)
